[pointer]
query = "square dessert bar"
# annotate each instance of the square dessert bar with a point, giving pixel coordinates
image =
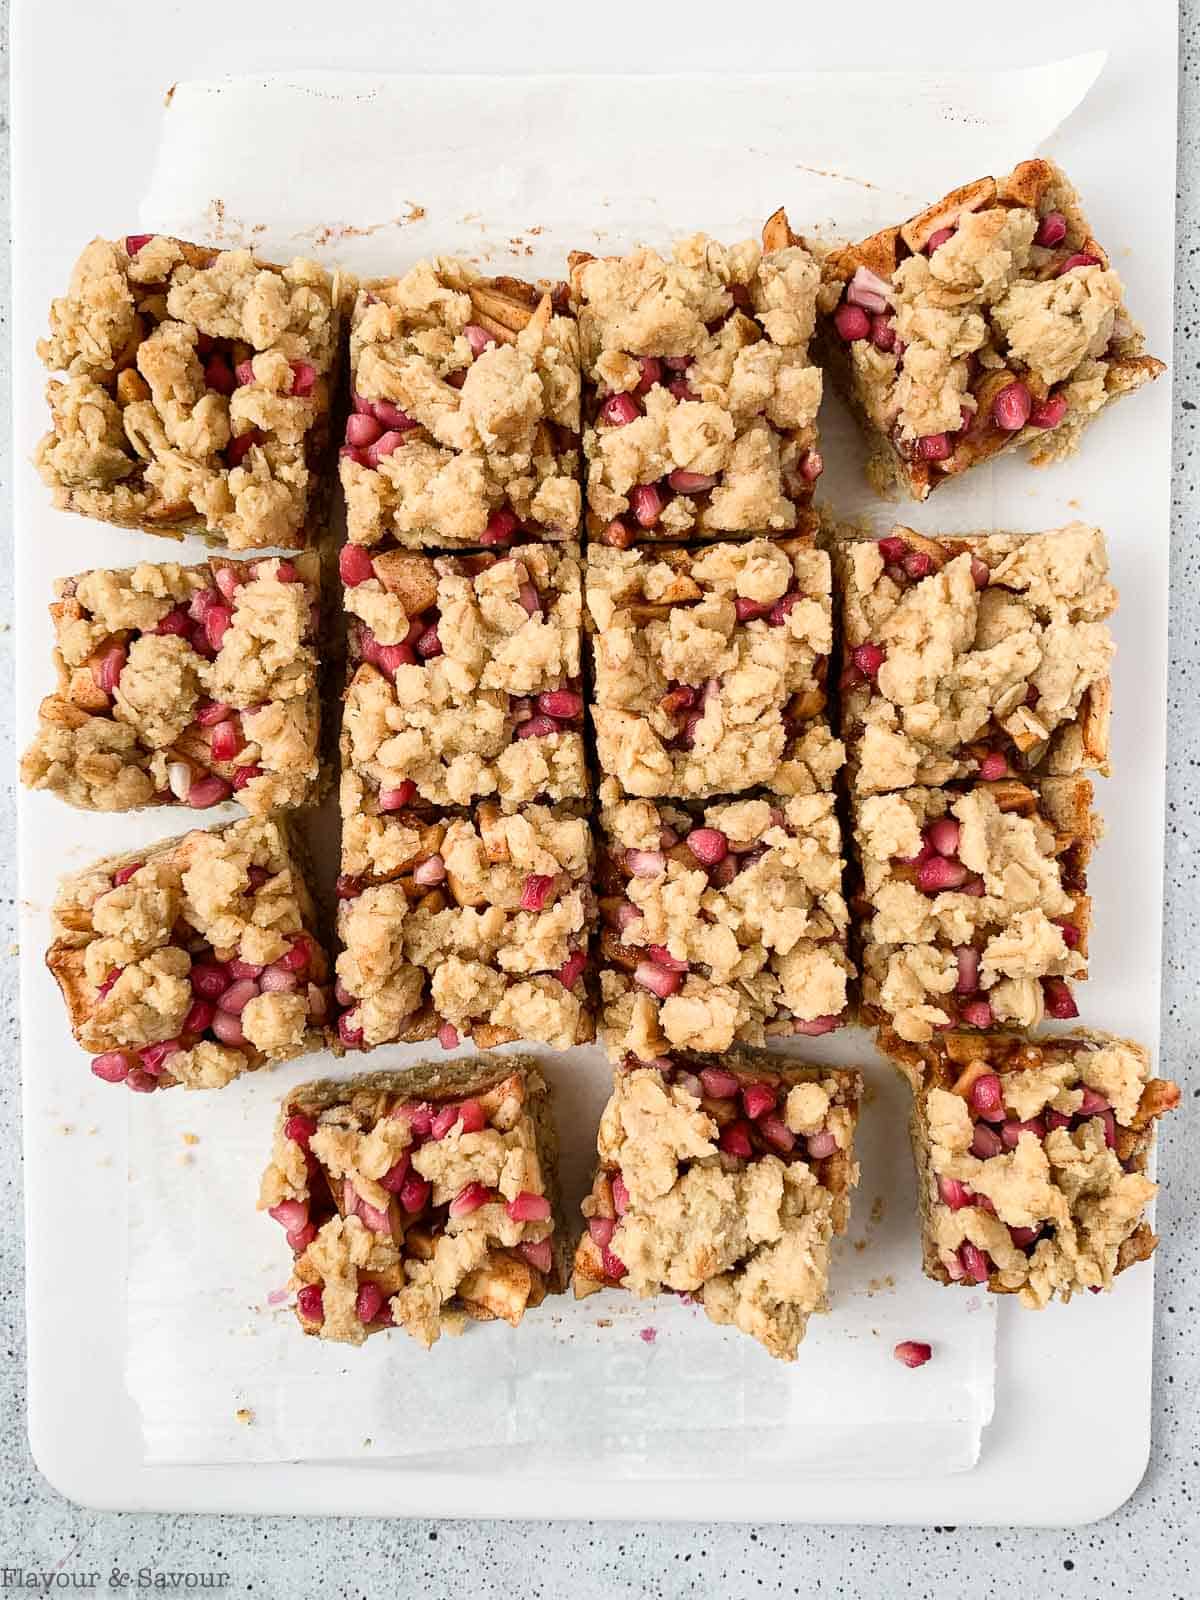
(193, 960)
(1031, 1158)
(465, 428)
(710, 668)
(991, 319)
(465, 678)
(196, 390)
(474, 926)
(724, 1178)
(701, 406)
(720, 922)
(418, 1199)
(973, 907)
(983, 656)
(184, 686)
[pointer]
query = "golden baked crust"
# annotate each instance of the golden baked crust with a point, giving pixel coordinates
(417, 1199)
(183, 685)
(465, 679)
(960, 651)
(998, 287)
(973, 905)
(194, 960)
(473, 926)
(1031, 1157)
(726, 1178)
(721, 922)
(701, 415)
(710, 667)
(466, 411)
(196, 391)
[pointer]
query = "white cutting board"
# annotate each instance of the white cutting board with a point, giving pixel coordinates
(1071, 1433)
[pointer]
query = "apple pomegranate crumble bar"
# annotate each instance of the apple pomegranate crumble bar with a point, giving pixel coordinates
(720, 922)
(193, 960)
(710, 667)
(472, 926)
(973, 907)
(981, 656)
(419, 1199)
(183, 686)
(724, 1178)
(701, 398)
(1031, 1158)
(465, 429)
(465, 678)
(991, 319)
(196, 391)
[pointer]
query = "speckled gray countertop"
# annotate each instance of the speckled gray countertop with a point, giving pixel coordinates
(1149, 1548)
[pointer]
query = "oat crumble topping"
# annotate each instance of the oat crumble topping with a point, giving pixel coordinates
(196, 390)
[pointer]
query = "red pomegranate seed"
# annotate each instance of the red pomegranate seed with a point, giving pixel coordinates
(561, 704)
(430, 872)
(228, 1028)
(968, 969)
(938, 238)
(237, 449)
(210, 979)
(918, 564)
(868, 658)
(246, 969)
(620, 1195)
(821, 1145)
(657, 979)
(778, 613)
(814, 1027)
(528, 1207)
(852, 323)
(602, 1229)
(393, 1178)
(1011, 407)
(429, 644)
(141, 1081)
(217, 621)
(298, 955)
(682, 390)
(136, 241)
(310, 1302)
(470, 1199)
(304, 377)
(299, 1128)
(613, 1266)
(218, 375)
(883, 333)
(225, 743)
(478, 338)
(362, 432)
(447, 1036)
(392, 417)
(651, 368)
(1056, 1119)
(354, 565)
(349, 1031)
(536, 891)
(1110, 1129)
(369, 1302)
(113, 1066)
(1092, 1104)
(154, 1057)
(390, 658)
(244, 372)
(244, 775)
(938, 874)
(415, 1194)
(1052, 230)
(1077, 260)
(976, 1264)
(1048, 413)
(893, 549)
(777, 1133)
(540, 727)
(708, 845)
(277, 980)
(386, 444)
(238, 996)
(993, 766)
(987, 1097)
(179, 621)
(646, 504)
(228, 581)
(980, 573)
(1058, 1000)
(912, 1353)
(348, 886)
(645, 863)
(749, 610)
(618, 410)
(290, 1214)
(301, 1238)
(943, 836)
(572, 969)
(108, 668)
(678, 363)
(684, 482)
(374, 1220)
(986, 1142)
(199, 1017)
(531, 600)
(396, 799)
(757, 1100)
(1011, 1132)
(123, 874)
(113, 974)
(538, 1252)
(954, 1194)
(735, 1140)
(209, 791)
(1024, 1237)
(934, 447)
(501, 526)
(976, 1014)
(718, 1084)
(212, 713)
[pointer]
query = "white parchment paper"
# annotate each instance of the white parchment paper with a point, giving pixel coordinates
(370, 174)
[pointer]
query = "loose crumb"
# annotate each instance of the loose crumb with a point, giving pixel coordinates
(245, 1416)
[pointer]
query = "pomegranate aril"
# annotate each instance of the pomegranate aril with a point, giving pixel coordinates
(934, 447)
(539, 727)
(618, 410)
(735, 1140)
(113, 1066)
(937, 239)
(299, 1128)
(968, 969)
(976, 1013)
(646, 503)
(226, 741)
(777, 1133)
(136, 241)
(614, 1267)
(912, 1353)
(123, 874)
(228, 1029)
(399, 797)
(749, 610)
(708, 845)
(645, 863)
(987, 1097)
(304, 377)
(414, 1195)
(238, 996)
(658, 980)
(938, 875)
(620, 1195)
(821, 1146)
(562, 704)
(347, 886)
(501, 527)
(778, 613)
(685, 482)
(430, 872)
(980, 573)
(893, 549)
(651, 368)
(447, 1036)
(208, 791)
(883, 333)
(354, 564)
(678, 363)
(538, 1252)
(244, 372)
(1056, 1119)
(154, 1057)
(210, 979)
(954, 1194)
(993, 766)
(247, 774)
(814, 1027)
(1092, 1104)
(918, 564)
(199, 1017)
(572, 969)
(301, 1238)
(1024, 1237)
(1110, 1129)
(369, 1302)
(718, 1084)
(310, 1301)
(757, 1100)
(1011, 1132)
(237, 449)
(478, 338)
(108, 668)
(601, 1230)
(1048, 413)
(852, 323)
(1011, 407)
(290, 1214)
(986, 1142)
(976, 1264)
(1051, 230)
(470, 1199)
(536, 891)
(349, 1031)
(178, 622)
(218, 375)
(528, 1207)
(1080, 259)
(1058, 1000)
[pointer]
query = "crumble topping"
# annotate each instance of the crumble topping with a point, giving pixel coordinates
(693, 1197)
(196, 382)
(414, 1223)
(1035, 1170)
(709, 664)
(705, 399)
(992, 319)
(972, 912)
(466, 424)
(183, 685)
(993, 646)
(193, 964)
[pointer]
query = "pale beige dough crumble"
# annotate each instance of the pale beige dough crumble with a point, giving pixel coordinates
(114, 752)
(1002, 647)
(667, 621)
(501, 438)
(150, 420)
